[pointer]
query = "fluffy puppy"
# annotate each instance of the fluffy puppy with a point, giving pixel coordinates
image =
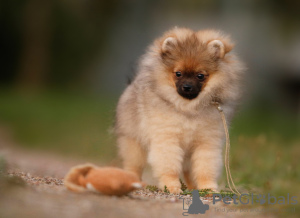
(166, 116)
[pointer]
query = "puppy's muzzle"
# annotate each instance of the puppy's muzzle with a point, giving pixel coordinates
(187, 88)
(188, 91)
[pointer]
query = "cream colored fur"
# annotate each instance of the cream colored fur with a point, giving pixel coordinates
(177, 135)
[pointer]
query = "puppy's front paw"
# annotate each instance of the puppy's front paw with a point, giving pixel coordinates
(212, 186)
(174, 190)
(171, 182)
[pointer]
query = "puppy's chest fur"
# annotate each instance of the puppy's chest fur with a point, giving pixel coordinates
(190, 131)
(186, 128)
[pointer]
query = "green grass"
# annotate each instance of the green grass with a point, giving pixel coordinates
(152, 188)
(66, 123)
(185, 191)
(268, 121)
(208, 193)
(183, 185)
(166, 190)
(265, 152)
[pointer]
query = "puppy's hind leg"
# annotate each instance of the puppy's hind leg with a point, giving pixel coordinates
(133, 155)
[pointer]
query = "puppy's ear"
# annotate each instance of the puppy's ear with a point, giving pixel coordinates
(168, 44)
(218, 48)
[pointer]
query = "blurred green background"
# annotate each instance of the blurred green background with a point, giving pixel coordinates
(64, 64)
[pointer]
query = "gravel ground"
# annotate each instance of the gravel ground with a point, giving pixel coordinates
(33, 187)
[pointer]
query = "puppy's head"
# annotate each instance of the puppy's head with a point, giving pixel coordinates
(192, 58)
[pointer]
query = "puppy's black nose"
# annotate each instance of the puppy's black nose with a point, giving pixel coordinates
(187, 88)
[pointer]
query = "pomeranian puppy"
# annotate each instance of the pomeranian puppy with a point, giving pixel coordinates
(166, 116)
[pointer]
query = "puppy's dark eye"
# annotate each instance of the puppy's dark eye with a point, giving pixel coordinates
(201, 76)
(178, 74)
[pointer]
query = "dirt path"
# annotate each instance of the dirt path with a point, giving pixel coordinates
(33, 187)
